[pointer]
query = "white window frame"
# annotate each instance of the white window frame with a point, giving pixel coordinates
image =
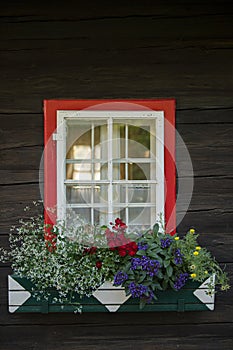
(60, 137)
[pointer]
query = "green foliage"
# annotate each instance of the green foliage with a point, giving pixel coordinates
(81, 259)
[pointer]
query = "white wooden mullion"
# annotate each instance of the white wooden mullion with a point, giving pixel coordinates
(110, 169)
(160, 200)
(126, 172)
(61, 166)
(153, 168)
(92, 171)
(96, 115)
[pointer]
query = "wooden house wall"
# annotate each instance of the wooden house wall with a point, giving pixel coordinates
(139, 49)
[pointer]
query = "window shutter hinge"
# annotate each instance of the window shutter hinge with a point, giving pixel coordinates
(57, 137)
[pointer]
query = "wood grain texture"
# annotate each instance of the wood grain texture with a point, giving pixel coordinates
(149, 49)
(120, 337)
(139, 73)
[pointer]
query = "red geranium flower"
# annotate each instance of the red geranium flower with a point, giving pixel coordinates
(98, 264)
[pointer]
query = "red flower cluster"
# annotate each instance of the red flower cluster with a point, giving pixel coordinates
(117, 241)
(129, 248)
(119, 225)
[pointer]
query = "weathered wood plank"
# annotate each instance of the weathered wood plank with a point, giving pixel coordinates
(28, 158)
(102, 337)
(13, 202)
(32, 76)
(21, 130)
(215, 220)
(204, 116)
(14, 11)
(209, 193)
(151, 25)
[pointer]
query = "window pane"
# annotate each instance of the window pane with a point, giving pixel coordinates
(100, 194)
(101, 216)
(78, 194)
(139, 193)
(84, 139)
(118, 141)
(119, 213)
(139, 216)
(139, 141)
(76, 215)
(79, 171)
(134, 193)
(87, 194)
(118, 171)
(139, 171)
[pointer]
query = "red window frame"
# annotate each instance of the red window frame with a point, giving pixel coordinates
(50, 168)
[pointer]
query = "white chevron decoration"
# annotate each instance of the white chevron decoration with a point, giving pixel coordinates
(202, 293)
(17, 294)
(110, 296)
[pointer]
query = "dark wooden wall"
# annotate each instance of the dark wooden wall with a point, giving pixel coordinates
(130, 49)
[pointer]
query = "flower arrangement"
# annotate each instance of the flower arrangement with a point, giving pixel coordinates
(80, 262)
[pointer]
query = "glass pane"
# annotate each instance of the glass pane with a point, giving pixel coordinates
(101, 216)
(102, 173)
(100, 194)
(79, 171)
(86, 139)
(139, 193)
(78, 140)
(78, 194)
(118, 141)
(101, 142)
(140, 216)
(134, 193)
(139, 141)
(77, 216)
(139, 171)
(119, 213)
(119, 193)
(83, 194)
(118, 171)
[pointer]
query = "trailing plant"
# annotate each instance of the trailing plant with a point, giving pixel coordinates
(79, 258)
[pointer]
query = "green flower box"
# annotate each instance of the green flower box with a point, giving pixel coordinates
(192, 297)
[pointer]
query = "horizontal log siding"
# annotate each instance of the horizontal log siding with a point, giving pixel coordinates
(141, 50)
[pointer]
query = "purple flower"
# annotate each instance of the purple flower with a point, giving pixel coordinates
(181, 280)
(148, 265)
(165, 242)
(135, 262)
(178, 257)
(137, 290)
(142, 246)
(120, 278)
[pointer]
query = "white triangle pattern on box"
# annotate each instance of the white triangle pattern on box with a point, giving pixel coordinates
(202, 293)
(110, 296)
(17, 294)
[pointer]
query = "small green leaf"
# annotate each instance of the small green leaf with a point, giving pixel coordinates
(156, 228)
(166, 263)
(169, 270)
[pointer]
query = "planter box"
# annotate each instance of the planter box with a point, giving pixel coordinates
(108, 298)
